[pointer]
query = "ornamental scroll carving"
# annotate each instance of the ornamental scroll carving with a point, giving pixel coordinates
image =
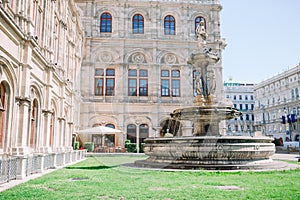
(106, 57)
(138, 58)
(170, 59)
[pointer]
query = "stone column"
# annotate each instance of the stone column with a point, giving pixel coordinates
(22, 123)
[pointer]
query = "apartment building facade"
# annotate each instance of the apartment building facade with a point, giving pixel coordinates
(277, 105)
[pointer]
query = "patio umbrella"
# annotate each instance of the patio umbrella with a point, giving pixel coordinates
(101, 130)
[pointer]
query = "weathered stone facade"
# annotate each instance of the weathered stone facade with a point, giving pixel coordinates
(115, 41)
(40, 58)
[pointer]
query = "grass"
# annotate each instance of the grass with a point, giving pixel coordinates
(104, 178)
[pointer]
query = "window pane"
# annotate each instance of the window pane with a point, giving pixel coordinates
(99, 72)
(110, 72)
(175, 73)
(165, 88)
(165, 73)
(143, 87)
(175, 88)
(99, 86)
(110, 86)
(143, 73)
(132, 72)
(132, 87)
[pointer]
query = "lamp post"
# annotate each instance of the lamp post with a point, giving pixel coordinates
(263, 120)
(137, 123)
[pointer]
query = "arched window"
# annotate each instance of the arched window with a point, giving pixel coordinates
(197, 21)
(52, 129)
(110, 125)
(144, 132)
(131, 133)
(105, 23)
(138, 24)
(4, 96)
(169, 25)
(34, 123)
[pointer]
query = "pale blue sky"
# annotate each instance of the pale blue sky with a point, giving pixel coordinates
(263, 38)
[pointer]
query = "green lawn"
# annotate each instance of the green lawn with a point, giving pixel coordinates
(103, 178)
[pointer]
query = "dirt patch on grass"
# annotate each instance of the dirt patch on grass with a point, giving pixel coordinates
(229, 187)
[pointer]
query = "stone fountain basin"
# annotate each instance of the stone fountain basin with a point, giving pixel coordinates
(209, 152)
(206, 113)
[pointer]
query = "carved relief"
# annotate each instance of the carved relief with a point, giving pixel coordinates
(138, 58)
(106, 57)
(170, 59)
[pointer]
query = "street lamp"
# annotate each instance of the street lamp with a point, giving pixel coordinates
(263, 120)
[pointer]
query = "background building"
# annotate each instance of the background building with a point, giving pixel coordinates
(277, 106)
(134, 71)
(40, 57)
(242, 97)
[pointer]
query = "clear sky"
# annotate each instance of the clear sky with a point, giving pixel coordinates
(263, 38)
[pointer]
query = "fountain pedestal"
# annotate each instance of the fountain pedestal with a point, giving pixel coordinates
(206, 148)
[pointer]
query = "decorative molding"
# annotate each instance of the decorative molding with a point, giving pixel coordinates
(138, 58)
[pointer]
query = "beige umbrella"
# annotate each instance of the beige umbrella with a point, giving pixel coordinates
(100, 130)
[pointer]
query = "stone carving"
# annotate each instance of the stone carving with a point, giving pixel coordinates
(106, 57)
(201, 35)
(138, 58)
(170, 59)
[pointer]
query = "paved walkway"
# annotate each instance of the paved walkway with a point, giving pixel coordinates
(284, 156)
(13, 183)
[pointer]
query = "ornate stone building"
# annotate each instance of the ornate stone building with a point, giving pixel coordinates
(277, 106)
(242, 97)
(40, 59)
(134, 70)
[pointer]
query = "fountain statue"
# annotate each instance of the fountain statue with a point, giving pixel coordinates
(206, 148)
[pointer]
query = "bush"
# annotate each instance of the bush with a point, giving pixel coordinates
(89, 146)
(131, 147)
(76, 145)
(142, 148)
(127, 141)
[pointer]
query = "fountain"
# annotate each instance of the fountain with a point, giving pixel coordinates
(206, 148)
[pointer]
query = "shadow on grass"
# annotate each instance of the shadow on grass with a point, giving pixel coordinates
(92, 167)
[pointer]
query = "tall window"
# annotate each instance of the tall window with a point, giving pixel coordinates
(105, 23)
(131, 133)
(144, 132)
(138, 24)
(38, 18)
(137, 82)
(104, 82)
(3, 111)
(169, 25)
(197, 22)
(170, 83)
(34, 120)
(52, 129)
